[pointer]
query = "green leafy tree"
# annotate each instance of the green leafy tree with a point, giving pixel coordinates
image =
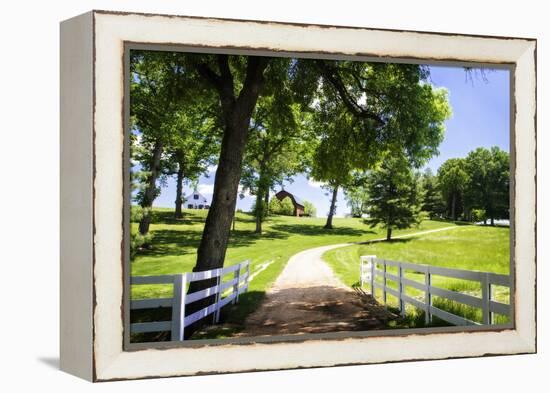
(366, 110)
(193, 147)
(274, 206)
(287, 207)
(489, 182)
(452, 179)
(357, 195)
(309, 209)
(276, 149)
(432, 200)
(393, 196)
(282, 207)
(155, 114)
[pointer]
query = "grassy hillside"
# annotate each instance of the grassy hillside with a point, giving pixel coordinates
(467, 247)
(175, 242)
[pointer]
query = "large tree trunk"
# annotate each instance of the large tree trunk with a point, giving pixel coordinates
(259, 212)
(331, 212)
(261, 204)
(149, 194)
(179, 192)
(237, 112)
(388, 233)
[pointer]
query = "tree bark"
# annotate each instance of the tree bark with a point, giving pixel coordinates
(237, 112)
(149, 194)
(331, 212)
(179, 192)
(388, 233)
(259, 212)
(263, 191)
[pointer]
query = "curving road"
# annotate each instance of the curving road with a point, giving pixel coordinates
(307, 297)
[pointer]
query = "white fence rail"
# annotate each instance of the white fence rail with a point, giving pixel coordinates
(372, 267)
(226, 292)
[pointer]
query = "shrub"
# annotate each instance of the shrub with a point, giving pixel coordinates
(309, 209)
(478, 215)
(137, 240)
(137, 212)
(284, 207)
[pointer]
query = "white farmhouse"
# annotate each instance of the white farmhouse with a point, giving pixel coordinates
(196, 201)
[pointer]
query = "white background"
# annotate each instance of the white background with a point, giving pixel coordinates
(29, 197)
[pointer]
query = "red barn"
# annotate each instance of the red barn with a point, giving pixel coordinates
(297, 202)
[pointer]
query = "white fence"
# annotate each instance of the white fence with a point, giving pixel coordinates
(226, 292)
(372, 267)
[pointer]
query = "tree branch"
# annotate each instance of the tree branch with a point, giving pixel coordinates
(331, 75)
(253, 82)
(209, 75)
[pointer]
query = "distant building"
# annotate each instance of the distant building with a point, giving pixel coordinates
(196, 201)
(297, 202)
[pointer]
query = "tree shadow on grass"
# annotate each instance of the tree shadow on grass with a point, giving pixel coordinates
(318, 230)
(392, 241)
(165, 217)
(166, 240)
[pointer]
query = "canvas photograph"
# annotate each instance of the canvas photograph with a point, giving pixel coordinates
(290, 197)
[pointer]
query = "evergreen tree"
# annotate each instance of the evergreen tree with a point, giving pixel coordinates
(393, 196)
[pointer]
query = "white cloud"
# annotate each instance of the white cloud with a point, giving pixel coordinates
(316, 184)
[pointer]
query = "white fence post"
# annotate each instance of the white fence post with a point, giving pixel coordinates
(384, 292)
(178, 307)
(218, 298)
(400, 286)
(247, 278)
(372, 273)
(361, 271)
(428, 295)
(236, 285)
(486, 299)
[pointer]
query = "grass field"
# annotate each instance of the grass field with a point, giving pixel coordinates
(175, 243)
(468, 247)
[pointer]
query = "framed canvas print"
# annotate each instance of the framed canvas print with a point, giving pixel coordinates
(245, 195)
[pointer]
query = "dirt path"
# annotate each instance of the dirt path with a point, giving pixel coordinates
(307, 297)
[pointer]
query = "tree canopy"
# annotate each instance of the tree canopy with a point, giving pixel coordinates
(488, 182)
(364, 111)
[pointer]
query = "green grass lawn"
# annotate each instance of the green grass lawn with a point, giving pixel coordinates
(175, 243)
(468, 247)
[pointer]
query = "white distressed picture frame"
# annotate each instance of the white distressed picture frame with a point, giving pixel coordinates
(92, 198)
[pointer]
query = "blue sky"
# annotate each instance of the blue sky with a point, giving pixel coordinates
(481, 118)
